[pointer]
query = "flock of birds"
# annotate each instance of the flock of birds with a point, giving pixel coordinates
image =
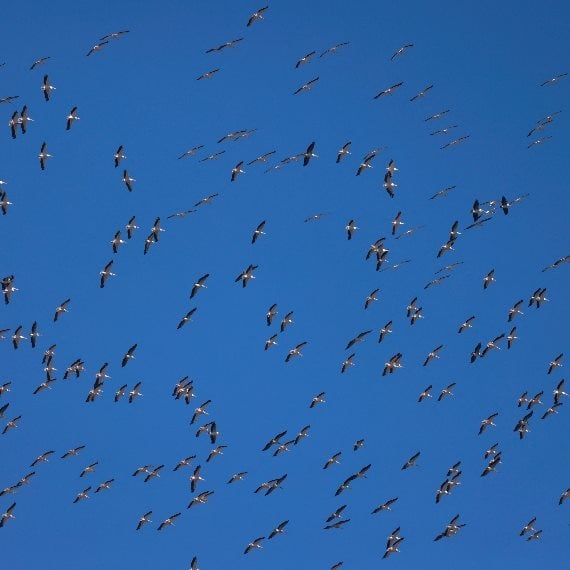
(482, 213)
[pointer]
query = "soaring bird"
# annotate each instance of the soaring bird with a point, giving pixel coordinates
(307, 86)
(554, 79)
(257, 15)
(412, 461)
(387, 506)
(433, 355)
(43, 156)
(129, 355)
(334, 49)
(97, 47)
(39, 62)
(71, 118)
(208, 74)
(422, 93)
(344, 151)
(82, 495)
(279, 529)
(401, 51)
(258, 232)
(106, 273)
(119, 156)
(308, 154)
(296, 351)
(350, 228)
(200, 284)
(254, 544)
(169, 521)
(305, 59)
(128, 181)
(144, 519)
(47, 88)
(389, 90)
(7, 515)
(61, 309)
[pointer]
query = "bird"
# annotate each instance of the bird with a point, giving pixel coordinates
(396, 223)
(451, 529)
(385, 330)
(82, 495)
(246, 275)
(14, 122)
(39, 62)
(392, 547)
(333, 460)
(556, 363)
(195, 478)
(387, 506)
(401, 51)
(11, 424)
(128, 180)
(344, 151)
(17, 337)
(554, 79)
(436, 115)
(466, 324)
(89, 469)
(116, 242)
(347, 363)
(154, 473)
(169, 521)
(7, 515)
(262, 158)
(308, 154)
(350, 228)
(130, 355)
(365, 164)
(257, 15)
(184, 462)
(565, 495)
(237, 477)
(489, 278)
(552, 410)
(216, 451)
(306, 86)
(535, 535)
(199, 285)
(334, 49)
(43, 156)
(389, 90)
(105, 486)
(43, 457)
(271, 314)
(433, 355)
(97, 47)
(208, 74)
(114, 35)
(360, 337)
(279, 529)
(305, 59)
(106, 273)
(120, 392)
(47, 88)
(144, 520)
(236, 171)
(514, 310)
(296, 351)
(254, 544)
(425, 394)
(559, 391)
(487, 422)
(186, 318)
(337, 524)
(271, 341)
(131, 227)
(422, 93)
(258, 232)
(134, 392)
(71, 118)
(118, 156)
(446, 392)
(224, 45)
(412, 461)
(455, 142)
(194, 563)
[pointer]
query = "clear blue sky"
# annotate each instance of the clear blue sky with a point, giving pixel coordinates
(486, 63)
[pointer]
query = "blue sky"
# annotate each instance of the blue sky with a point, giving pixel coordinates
(486, 63)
